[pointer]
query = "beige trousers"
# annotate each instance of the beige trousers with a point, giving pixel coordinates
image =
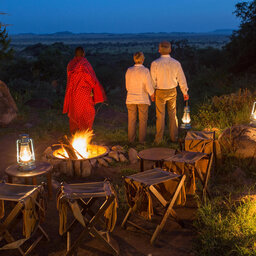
(164, 97)
(132, 118)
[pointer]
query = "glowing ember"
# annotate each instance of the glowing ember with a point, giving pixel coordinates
(25, 154)
(83, 149)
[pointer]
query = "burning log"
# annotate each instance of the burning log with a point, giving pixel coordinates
(69, 148)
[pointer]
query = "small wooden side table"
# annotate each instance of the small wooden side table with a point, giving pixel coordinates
(42, 168)
(156, 155)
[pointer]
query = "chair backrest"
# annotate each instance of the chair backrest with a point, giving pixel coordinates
(200, 141)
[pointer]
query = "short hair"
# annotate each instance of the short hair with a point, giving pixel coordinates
(138, 57)
(79, 52)
(165, 47)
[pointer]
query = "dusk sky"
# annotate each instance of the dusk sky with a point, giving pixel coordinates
(113, 16)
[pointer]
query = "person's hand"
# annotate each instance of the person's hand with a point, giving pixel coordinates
(152, 97)
(186, 97)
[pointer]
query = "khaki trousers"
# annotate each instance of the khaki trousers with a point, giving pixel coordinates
(132, 118)
(164, 97)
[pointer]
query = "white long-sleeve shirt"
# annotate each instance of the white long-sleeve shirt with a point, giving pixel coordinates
(167, 73)
(139, 85)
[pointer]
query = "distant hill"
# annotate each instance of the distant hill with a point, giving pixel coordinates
(222, 31)
(68, 33)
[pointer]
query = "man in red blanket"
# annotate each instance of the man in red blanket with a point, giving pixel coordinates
(82, 93)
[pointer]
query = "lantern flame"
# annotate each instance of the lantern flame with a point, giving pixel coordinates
(25, 154)
(254, 115)
(186, 118)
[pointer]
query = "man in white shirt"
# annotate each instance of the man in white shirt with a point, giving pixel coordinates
(167, 73)
(139, 86)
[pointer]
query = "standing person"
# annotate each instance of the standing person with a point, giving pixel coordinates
(167, 73)
(82, 93)
(139, 86)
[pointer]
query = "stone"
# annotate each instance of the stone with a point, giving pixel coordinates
(133, 155)
(114, 155)
(240, 140)
(239, 176)
(8, 108)
(93, 162)
(123, 158)
(103, 162)
(118, 148)
(108, 159)
(48, 152)
(86, 168)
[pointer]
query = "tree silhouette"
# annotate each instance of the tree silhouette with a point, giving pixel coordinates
(6, 52)
(241, 49)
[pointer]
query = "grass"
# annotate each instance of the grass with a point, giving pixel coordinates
(226, 228)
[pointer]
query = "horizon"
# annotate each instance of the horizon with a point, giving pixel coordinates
(124, 33)
(118, 17)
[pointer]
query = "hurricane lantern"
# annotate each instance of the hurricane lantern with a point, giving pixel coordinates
(253, 115)
(186, 117)
(25, 152)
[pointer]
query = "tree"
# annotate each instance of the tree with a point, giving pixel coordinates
(6, 52)
(241, 50)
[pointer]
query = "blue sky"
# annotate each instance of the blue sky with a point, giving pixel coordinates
(113, 16)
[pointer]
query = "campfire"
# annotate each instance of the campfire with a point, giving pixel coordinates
(78, 147)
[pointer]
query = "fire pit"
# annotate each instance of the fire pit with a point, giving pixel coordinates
(75, 154)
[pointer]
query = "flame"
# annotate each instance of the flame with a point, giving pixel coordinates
(25, 154)
(81, 143)
(186, 118)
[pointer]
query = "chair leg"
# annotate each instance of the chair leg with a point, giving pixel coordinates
(32, 246)
(77, 242)
(103, 240)
(208, 175)
(205, 188)
(44, 233)
(168, 211)
(126, 217)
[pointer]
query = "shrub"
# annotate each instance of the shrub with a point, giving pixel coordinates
(225, 111)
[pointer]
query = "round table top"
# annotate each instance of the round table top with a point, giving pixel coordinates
(156, 154)
(40, 169)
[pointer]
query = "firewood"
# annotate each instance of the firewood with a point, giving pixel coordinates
(69, 149)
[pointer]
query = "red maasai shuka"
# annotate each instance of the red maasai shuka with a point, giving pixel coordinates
(82, 93)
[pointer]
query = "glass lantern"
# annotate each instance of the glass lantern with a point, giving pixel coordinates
(253, 115)
(186, 117)
(25, 152)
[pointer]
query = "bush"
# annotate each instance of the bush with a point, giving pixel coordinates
(225, 111)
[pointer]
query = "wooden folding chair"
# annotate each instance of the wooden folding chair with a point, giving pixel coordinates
(89, 203)
(196, 161)
(29, 209)
(158, 183)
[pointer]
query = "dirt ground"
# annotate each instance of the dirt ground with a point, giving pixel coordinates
(174, 240)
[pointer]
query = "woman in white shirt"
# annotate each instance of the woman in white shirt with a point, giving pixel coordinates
(139, 86)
